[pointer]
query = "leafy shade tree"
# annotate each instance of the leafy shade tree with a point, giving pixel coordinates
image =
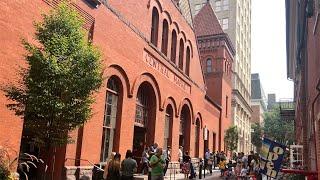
(64, 70)
(256, 135)
(277, 129)
(231, 138)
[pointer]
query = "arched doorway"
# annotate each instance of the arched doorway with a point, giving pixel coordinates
(184, 130)
(111, 123)
(168, 120)
(144, 125)
(197, 137)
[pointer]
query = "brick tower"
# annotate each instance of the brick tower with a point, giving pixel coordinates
(216, 54)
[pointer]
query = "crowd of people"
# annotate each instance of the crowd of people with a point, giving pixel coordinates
(240, 165)
(154, 163)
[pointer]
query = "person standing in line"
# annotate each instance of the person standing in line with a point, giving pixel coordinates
(186, 164)
(128, 166)
(245, 161)
(218, 157)
(167, 157)
(145, 160)
(157, 164)
(206, 161)
(180, 155)
(239, 162)
(113, 170)
(211, 161)
(222, 166)
(250, 158)
(155, 147)
(111, 157)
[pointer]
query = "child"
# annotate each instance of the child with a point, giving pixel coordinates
(222, 166)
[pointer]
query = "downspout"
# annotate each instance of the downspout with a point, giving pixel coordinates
(220, 130)
(313, 117)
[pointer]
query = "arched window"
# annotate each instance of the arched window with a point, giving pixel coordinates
(181, 49)
(197, 138)
(154, 26)
(110, 118)
(184, 129)
(209, 65)
(188, 61)
(142, 107)
(164, 43)
(144, 126)
(173, 46)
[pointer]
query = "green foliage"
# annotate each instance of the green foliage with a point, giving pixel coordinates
(256, 135)
(4, 172)
(277, 129)
(55, 95)
(231, 138)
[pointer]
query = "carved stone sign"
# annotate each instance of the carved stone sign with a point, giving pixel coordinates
(165, 71)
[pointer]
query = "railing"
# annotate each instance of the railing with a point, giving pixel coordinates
(286, 104)
(92, 164)
(310, 175)
(287, 109)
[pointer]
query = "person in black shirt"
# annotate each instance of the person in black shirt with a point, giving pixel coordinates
(186, 164)
(250, 157)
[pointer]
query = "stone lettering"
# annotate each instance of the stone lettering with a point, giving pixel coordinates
(158, 66)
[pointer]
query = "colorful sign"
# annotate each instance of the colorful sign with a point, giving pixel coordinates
(272, 154)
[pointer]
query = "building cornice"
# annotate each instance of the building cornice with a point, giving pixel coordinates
(219, 37)
(237, 93)
(242, 84)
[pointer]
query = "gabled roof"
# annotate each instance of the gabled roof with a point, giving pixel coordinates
(206, 22)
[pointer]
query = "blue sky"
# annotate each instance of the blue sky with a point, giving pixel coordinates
(268, 45)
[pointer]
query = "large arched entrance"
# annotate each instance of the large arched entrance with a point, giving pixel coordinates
(145, 116)
(184, 130)
(168, 120)
(197, 137)
(111, 123)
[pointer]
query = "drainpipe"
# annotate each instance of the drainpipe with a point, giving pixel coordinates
(314, 119)
(220, 130)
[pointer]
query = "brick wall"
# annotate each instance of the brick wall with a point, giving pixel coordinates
(122, 34)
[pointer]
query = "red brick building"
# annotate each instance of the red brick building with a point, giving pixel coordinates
(155, 89)
(216, 56)
(303, 62)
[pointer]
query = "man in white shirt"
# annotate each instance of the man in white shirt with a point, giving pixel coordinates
(180, 154)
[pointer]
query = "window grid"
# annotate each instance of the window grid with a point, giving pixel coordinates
(225, 23)
(142, 110)
(218, 5)
(209, 65)
(109, 123)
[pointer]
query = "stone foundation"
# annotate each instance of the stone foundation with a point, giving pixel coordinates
(83, 172)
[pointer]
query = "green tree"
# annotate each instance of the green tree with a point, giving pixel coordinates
(277, 129)
(231, 138)
(256, 135)
(64, 70)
